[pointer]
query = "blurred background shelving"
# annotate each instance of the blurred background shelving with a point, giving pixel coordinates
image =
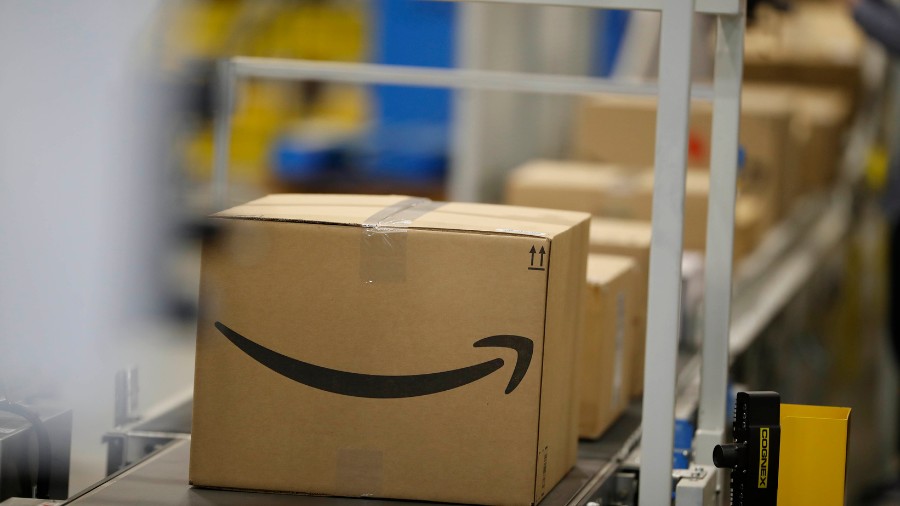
(820, 110)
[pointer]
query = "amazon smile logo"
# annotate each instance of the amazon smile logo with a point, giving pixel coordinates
(387, 387)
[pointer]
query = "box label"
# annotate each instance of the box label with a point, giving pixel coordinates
(537, 258)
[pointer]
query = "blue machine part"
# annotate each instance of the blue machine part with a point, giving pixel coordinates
(411, 125)
(420, 33)
(684, 439)
(297, 161)
(729, 404)
(611, 28)
(414, 152)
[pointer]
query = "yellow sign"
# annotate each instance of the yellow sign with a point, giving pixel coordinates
(763, 458)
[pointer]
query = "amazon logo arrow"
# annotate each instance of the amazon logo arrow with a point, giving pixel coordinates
(387, 387)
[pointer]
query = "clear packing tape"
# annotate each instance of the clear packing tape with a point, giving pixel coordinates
(383, 243)
(384, 235)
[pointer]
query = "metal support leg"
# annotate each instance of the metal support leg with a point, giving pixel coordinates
(720, 235)
(664, 309)
(464, 180)
(223, 109)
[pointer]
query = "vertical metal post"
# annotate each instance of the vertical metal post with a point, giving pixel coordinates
(664, 309)
(464, 180)
(223, 105)
(126, 397)
(729, 66)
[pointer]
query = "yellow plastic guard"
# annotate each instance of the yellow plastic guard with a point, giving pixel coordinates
(813, 462)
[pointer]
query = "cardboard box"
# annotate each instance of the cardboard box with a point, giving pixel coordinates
(609, 191)
(816, 44)
(608, 342)
(820, 121)
(630, 239)
(770, 170)
(749, 226)
(606, 191)
(617, 129)
(382, 346)
(622, 130)
(584, 186)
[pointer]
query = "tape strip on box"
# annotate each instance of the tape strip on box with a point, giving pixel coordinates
(360, 472)
(383, 245)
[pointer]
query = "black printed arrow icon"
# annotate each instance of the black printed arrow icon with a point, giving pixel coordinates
(533, 251)
(387, 387)
(542, 255)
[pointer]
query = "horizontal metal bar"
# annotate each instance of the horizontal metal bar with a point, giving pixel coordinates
(371, 73)
(633, 5)
(721, 7)
(154, 434)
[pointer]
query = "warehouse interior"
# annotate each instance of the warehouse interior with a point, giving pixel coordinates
(357, 252)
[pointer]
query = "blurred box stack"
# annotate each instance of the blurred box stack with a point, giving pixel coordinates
(812, 53)
(622, 130)
(791, 137)
(612, 191)
(813, 44)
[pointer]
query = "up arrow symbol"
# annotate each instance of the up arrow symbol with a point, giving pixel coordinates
(542, 255)
(533, 251)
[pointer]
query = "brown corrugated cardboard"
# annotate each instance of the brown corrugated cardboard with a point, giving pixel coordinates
(630, 239)
(770, 170)
(821, 118)
(382, 346)
(815, 44)
(749, 225)
(606, 191)
(609, 191)
(621, 130)
(608, 342)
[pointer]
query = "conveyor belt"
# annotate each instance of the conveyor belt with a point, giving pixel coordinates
(162, 479)
(815, 227)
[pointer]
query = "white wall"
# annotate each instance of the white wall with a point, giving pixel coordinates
(80, 221)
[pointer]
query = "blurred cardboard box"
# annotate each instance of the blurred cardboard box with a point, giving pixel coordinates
(383, 346)
(630, 239)
(814, 44)
(608, 342)
(820, 123)
(622, 130)
(749, 225)
(769, 171)
(612, 192)
(605, 190)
